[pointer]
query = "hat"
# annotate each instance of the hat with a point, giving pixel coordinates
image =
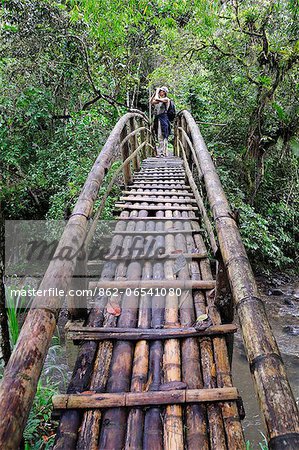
(164, 88)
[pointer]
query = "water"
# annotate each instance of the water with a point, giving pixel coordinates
(283, 312)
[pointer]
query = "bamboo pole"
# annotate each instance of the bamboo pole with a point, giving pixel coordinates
(158, 192)
(148, 334)
(134, 132)
(153, 429)
(190, 146)
(163, 170)
(77, 305)
(158, 185)
(125, 151)
(172, 177)
(154, 207)
(113, 429)
(137, 198)
(158, 256)
(161, 219)
(156, 233)
(176, 396)
(173, 424)
(274, 393)
(134, 144)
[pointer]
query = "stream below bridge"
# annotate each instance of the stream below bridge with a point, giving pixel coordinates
(282, 306)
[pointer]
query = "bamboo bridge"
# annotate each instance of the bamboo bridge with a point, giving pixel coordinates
(154, 363)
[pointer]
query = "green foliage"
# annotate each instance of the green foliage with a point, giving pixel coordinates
(264, 244)
(16, 306)
(262, 445)
(67, 69)
(39, 431)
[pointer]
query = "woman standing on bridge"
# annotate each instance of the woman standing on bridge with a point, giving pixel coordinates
(161, 122)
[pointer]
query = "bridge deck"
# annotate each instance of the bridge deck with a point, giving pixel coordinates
(162, 369)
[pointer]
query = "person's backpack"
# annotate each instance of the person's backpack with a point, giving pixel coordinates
(171, 111)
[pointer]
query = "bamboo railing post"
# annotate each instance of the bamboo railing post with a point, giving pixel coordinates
(224, 302)
(223, 298)
(77, 294)
(183, 139)
(173, 424)
(175, 140)
(125, 151)
(143, 138)
(179, 134)
(151, 139)
(274, 393)
(190, 159)
(134, 145)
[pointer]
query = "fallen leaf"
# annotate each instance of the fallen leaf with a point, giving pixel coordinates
(203, 324)
(202, 317)
(113, 309)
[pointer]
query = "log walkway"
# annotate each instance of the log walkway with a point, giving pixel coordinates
(155, 341)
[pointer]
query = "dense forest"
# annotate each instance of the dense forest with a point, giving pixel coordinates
(70, 68)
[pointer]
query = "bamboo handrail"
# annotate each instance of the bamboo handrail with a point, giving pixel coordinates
(23, 370)
(275, 395)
